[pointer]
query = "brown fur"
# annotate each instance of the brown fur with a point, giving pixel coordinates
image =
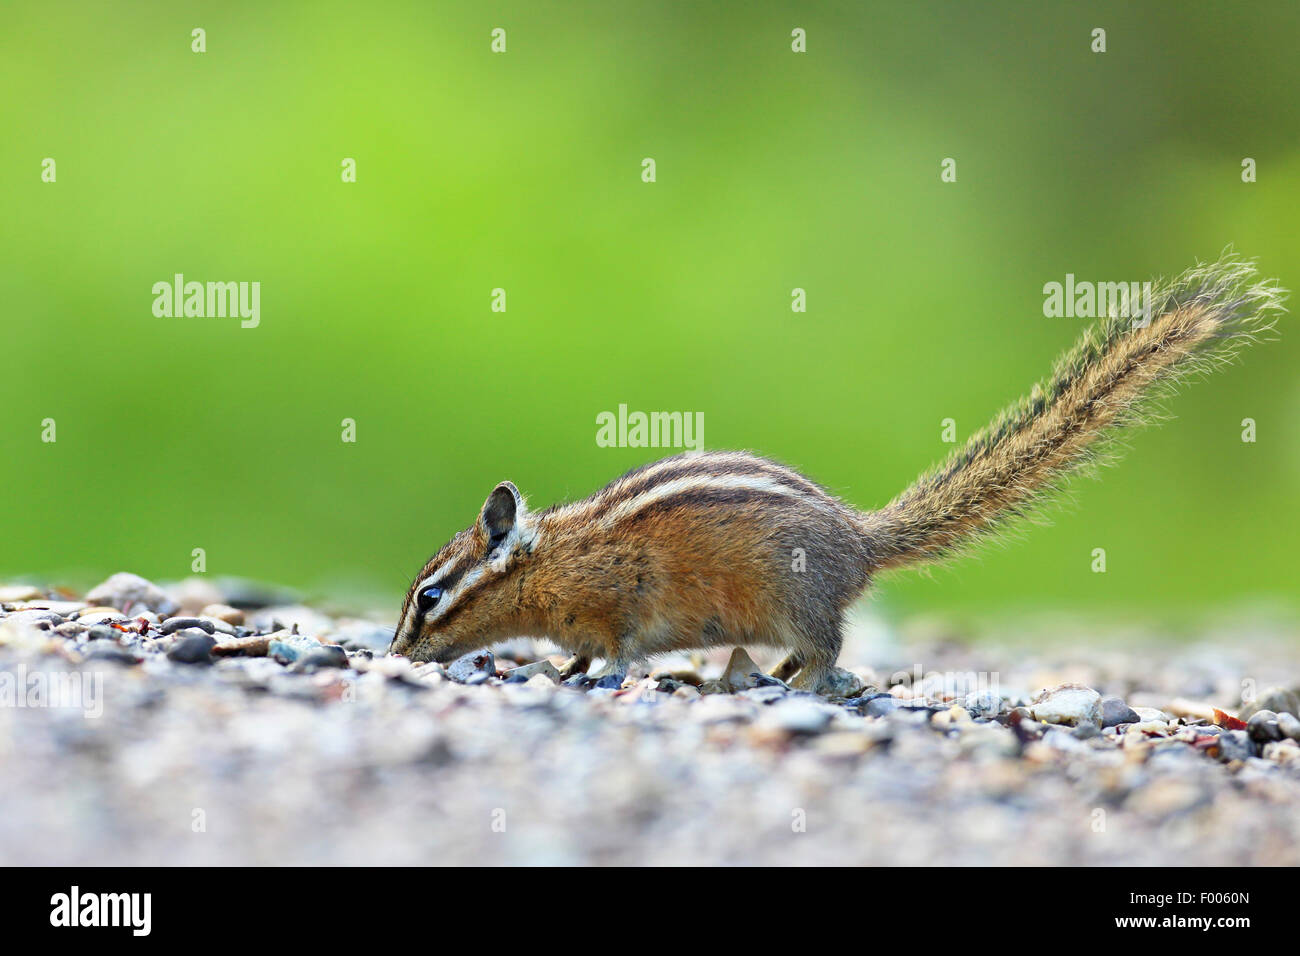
(728, 548)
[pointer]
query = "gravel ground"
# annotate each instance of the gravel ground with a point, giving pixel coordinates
(149, 725)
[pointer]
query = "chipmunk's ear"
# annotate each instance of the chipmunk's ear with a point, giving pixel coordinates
(501, 512)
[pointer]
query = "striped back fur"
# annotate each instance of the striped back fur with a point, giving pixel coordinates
(707, 477)
(1111, 379)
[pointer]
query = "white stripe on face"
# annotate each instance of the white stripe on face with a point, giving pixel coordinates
(449, 596)
(690, 483)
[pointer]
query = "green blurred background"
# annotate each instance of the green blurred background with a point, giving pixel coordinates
(523, 171)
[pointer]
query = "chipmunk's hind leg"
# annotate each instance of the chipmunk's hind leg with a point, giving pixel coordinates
(819, 673)
(788, 667)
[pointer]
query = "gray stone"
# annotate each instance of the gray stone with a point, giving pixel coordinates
(326, 655)
(102, 632)
(1067, 704)
(1152, 714)
(127, 592)
(472, 664)
(543, 668)
(1289, 724)
(93, 616)
(174, 624)
(287, 648)
(1235, 745)
(1263, 726)
(541, 682)
(741, 673)
(193, 647)
(1114, 711)
(839, 682)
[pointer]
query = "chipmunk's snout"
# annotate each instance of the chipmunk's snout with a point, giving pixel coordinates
(399, 642)
(425, 651)
(414, 642)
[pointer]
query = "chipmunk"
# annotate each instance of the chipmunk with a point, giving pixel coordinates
(698, 550)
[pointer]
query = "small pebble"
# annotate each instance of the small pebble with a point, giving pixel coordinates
(472, 665)
(1115, 711)
(1235, 745)
(326, 655)
(194, 647)
(741, 672)
(1067, 704)
(1289, 724)
(174, 624)
(543, 668)
(1263, 726)
(132, 592)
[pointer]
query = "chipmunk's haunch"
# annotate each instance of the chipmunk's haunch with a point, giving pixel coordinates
(701, 550)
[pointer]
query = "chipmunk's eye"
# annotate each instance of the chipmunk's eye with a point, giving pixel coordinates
(427, 599)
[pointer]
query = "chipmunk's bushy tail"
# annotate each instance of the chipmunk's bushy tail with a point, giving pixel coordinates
(1108, 381)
